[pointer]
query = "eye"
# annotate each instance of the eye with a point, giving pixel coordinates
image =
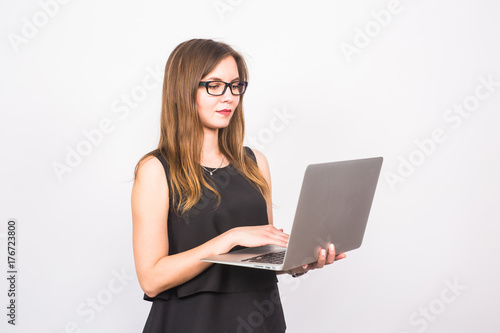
(237, 85)
(214, 85)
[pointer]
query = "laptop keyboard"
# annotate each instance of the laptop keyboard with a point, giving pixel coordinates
(268, 258)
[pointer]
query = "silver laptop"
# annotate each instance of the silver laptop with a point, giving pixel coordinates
(334, 204)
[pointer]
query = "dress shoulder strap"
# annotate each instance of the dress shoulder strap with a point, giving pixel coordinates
(250, 153)
(164, 163)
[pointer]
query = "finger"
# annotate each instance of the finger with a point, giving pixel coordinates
(277, 241)
(331, 254)
(282, 236)
(322, 259)
(278, 238)
(311, 266)
(276, 231)
(340, 256)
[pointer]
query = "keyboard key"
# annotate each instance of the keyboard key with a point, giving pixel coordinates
(268, 258)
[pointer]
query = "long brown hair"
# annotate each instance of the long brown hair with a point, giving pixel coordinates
(181, 136)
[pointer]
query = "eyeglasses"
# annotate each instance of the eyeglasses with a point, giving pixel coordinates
(218, 88)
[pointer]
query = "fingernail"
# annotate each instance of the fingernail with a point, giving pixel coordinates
(331, 247)
(323, 252)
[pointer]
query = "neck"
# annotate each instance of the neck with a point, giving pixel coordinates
(210, 154)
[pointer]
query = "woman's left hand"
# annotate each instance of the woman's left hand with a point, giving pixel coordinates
(326, 257)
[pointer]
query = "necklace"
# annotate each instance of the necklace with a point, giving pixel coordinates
(212, 171)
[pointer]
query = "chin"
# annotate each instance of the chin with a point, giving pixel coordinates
(218, 125)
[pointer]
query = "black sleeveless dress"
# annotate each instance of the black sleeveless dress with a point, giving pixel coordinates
(222, 298)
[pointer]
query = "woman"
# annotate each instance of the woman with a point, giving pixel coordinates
(202, 193)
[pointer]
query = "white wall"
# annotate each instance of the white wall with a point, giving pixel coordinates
(319, 91)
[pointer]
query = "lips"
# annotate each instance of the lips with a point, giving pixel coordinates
(225, 112)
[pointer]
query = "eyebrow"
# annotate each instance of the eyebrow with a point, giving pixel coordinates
(214, 78)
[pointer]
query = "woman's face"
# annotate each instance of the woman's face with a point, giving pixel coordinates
(216, 111)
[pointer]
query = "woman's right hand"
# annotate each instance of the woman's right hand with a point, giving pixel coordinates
(257, 236)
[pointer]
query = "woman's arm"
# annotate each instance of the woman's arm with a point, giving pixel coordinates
(156, 270)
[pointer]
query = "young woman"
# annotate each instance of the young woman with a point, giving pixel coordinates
(201, 193)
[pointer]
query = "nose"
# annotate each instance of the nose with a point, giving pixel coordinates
(228, 97)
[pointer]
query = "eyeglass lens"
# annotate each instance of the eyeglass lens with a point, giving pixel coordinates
(219, 87)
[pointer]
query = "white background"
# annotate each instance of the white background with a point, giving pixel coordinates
(435, 227)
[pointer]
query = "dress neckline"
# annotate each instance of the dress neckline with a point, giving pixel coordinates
(209, 169)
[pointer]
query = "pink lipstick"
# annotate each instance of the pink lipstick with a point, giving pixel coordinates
(225, 112)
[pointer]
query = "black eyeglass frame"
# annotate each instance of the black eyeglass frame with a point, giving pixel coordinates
(206, 83)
